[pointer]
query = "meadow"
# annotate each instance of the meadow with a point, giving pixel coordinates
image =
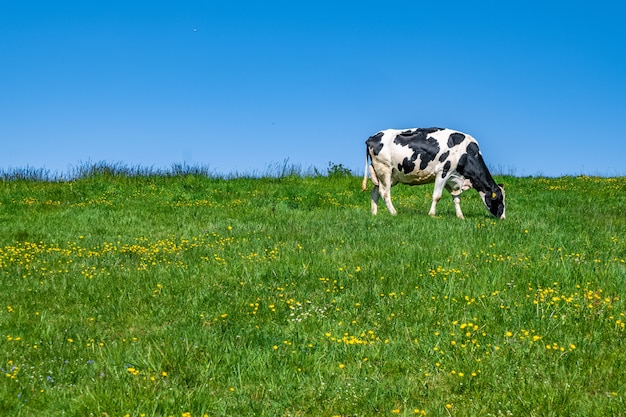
(190, 295)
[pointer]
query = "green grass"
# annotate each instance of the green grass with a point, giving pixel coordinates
(184, 295)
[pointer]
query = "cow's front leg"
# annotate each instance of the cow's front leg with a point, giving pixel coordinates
(437, 192)
(433, 206)
(457, 206)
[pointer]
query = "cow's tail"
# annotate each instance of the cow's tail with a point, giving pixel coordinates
(368, 168)
(367, 163)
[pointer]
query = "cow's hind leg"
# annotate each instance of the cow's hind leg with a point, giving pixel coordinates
(385, 191)
(376, 193)
(381, 177)
(375, 196)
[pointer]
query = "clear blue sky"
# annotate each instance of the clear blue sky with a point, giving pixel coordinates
(242, 85)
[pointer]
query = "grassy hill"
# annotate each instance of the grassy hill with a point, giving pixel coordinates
(185, 295)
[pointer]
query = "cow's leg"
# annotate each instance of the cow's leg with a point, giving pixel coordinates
(382, 174)
(433, 206)
(385, 190)
(437, 192)
(375, 195)
(375, 191)
(456, 190)
(457, 205)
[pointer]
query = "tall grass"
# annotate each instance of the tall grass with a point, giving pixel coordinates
(106, 169)
(192, 295)
(101, 169)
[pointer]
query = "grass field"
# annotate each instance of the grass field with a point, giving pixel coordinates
(184, 295)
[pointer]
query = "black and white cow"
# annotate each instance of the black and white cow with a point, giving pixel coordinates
(448, 158)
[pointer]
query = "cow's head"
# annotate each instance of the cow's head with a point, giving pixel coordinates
(495, 201)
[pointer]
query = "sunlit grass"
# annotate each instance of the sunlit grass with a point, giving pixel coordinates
(185, 295)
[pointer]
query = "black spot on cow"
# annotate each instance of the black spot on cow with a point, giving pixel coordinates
(421, 144)
(446, 169)
(407, 165)
(444, 156)
(455, 139)
(375, 143)
(472, 150)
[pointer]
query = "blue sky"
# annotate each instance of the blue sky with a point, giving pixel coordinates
(239, 86)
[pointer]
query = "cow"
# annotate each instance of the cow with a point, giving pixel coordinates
(447, 157)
